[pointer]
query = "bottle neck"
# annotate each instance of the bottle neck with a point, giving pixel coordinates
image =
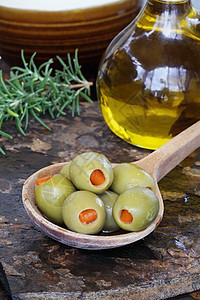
(170, 7)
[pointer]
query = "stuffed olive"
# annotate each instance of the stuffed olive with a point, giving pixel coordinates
(84, 212)
(50, 196)
(65, 170)
(109, 199)
(91, 171)
(135, 209)
(127, 175)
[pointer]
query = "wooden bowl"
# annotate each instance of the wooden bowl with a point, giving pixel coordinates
(58, 30)
(65, 236)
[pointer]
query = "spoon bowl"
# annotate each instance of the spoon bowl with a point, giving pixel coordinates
(157, 164)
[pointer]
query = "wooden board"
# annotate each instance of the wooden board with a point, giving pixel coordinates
(164, 264)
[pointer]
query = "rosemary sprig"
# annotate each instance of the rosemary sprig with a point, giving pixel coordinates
(31, 91)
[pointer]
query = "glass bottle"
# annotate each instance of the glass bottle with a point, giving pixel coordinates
(148, 83)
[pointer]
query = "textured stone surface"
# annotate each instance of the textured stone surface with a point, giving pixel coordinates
(162, 265)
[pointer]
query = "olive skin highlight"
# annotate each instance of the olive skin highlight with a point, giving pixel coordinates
(65, 170)
(50, 196)
(82, 167)
(127, 175)
(141, 204)
(109, 199)
(76, 204)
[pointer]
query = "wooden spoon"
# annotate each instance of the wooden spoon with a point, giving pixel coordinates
(157, 164)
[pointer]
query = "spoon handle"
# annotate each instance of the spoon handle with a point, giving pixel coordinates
(164, 159)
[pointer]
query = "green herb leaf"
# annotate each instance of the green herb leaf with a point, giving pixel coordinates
(32, 91)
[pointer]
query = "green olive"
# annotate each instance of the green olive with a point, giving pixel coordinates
(50, 196)
(109, 198)
(84, 212)
(135, 209)
(127, 175)
(91, 171)
(65, 170)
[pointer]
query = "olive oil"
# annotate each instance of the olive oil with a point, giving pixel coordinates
(148, 83)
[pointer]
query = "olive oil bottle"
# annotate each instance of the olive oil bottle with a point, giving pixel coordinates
(148, 83)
